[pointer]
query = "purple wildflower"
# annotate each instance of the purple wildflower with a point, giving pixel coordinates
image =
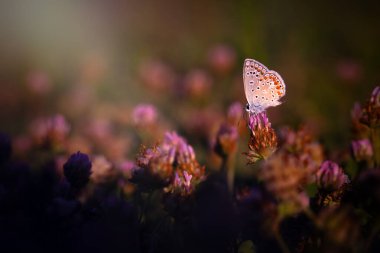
(222, 58)
(173, 163)
(371, 111)
(102, 170)
(126, 168)
(197, 83)
(285, 176)
(144, 115)
(375, 97)
(181, 183)
(263, 140)
(257, 121)
(226, 140)
(235, 113)
(362, 149)
(330, 176)
(50, 132)
(360, 130)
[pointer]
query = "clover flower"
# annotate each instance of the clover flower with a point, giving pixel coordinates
(226, 140)
(225, 143)
(263, 140)
(358, 128)
(103, 170)
(50, 132)
(302, 144)
(197, 83)
(288, 171)
(370, 117)
(126, 168)
(144, 115)
(171, 164)
(362, 149)
(371, 111)
(285, 176)
(222, 58)
(331, 177)
(235, 113)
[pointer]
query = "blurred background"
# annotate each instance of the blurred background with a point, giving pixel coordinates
(94, 61)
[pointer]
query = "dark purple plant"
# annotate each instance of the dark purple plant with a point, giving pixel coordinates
(77, 170)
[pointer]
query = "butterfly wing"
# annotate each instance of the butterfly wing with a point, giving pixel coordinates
(253, 72)
(263, 88)
(272, 89)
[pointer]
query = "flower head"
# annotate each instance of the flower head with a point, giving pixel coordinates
(77, 170)
(197, 83)
(172, 164)
(222, 58)
(235, 113)
(359, 129)
(302, 144)
(126, 168)
(285, 176)
(102, 170)
(144, 115)
(287, 172)
(331, 177)
(50, 132)
(226, 140)
(371, 111)
(362, 149)
(182, 182)
(263, 139)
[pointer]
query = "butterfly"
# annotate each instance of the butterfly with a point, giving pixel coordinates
(263, 87)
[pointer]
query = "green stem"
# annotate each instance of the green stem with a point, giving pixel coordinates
(228, 169)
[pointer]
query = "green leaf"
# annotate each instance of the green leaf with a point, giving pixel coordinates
(247, 247)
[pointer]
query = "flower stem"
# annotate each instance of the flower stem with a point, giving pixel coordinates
(228, 169)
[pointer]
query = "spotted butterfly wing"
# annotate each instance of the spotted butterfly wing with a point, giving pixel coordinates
(263, 88)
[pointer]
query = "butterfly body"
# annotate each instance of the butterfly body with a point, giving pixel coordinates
(263, 87)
